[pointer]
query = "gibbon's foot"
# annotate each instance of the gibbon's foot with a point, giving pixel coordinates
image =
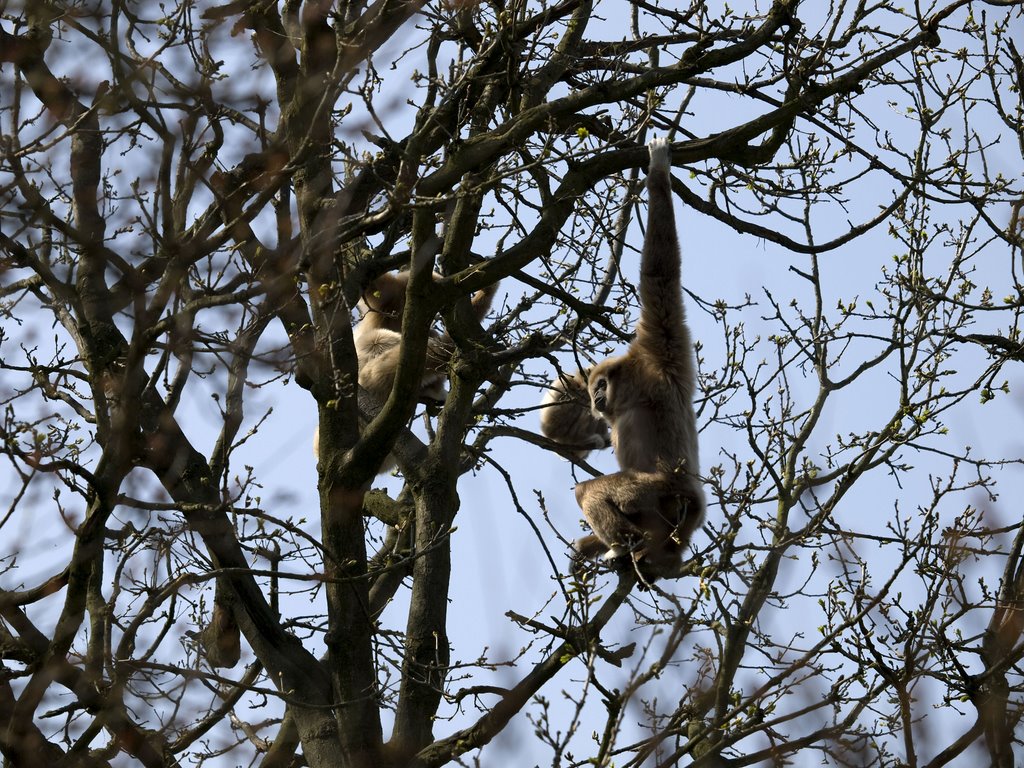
(584, 557)
(578, 565)
(614, 553)
(643, 584)
(581, 564)
(661, 153)
(433, 405)
(617, 559)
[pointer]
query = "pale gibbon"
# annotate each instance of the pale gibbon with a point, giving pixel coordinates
(646, 397)
(378, 343)
(378, 337)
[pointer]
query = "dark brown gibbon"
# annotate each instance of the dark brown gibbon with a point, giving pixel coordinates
(378, 342)
(220, 638)
(646, 397)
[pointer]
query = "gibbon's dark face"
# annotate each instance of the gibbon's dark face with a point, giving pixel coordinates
(601, 388)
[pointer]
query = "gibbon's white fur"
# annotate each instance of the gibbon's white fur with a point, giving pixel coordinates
(378, 342)
(651, 508)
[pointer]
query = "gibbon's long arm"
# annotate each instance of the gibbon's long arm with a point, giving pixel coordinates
(661, 333)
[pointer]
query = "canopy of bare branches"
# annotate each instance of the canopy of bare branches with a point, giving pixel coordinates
(195, 195)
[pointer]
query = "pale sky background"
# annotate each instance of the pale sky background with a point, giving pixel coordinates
(498, 564)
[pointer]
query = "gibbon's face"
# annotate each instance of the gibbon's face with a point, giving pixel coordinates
(600, 386)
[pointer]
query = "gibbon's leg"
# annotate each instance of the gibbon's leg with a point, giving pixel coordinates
(649, 515)
(590, 548)
(566, 418)
(661, 553)
(609, 504)
(668, 526)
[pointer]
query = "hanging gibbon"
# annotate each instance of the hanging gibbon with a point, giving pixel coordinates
(651, 508)
(378, 343)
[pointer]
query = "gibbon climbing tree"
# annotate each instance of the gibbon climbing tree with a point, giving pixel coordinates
(194, 197)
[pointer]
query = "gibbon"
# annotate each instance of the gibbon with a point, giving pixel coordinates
(646, 396)
(565, 419)
(378, 337)
(378, 342)
(220, 639)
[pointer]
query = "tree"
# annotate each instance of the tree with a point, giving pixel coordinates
(195, 196)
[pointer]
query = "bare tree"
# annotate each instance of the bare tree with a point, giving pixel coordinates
(194, 198)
